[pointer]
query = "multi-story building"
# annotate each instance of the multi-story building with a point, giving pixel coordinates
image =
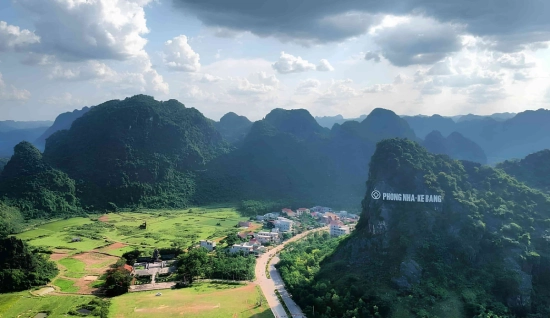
(338, 228)
(243, 247)
(283, 224)
(209, 245)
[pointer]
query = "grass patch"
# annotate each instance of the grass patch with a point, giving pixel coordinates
(75, 268)
(202, 300)
(23, 305)
(164, 227)
(66, 286)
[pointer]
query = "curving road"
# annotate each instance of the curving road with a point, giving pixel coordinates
(269, 286)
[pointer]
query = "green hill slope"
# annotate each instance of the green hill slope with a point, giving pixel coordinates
(533, 170)
(37, 189)
(136, 151)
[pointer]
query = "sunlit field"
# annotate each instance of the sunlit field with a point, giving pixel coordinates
(205, 300)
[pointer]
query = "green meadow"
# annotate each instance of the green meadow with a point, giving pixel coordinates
(24, 305)
(165, 228)
(202, 300)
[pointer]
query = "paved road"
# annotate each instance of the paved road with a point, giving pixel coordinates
(268, 286)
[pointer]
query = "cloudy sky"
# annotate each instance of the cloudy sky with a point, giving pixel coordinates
(250, 56)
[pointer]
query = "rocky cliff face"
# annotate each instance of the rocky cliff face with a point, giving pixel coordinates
(484, 247)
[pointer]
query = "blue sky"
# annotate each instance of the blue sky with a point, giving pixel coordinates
(330, 57)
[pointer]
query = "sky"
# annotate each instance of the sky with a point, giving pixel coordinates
(250, 56)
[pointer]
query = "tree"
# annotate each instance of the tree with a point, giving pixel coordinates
(118, 281)
(10, 220)
(22, 267)
(194, 263)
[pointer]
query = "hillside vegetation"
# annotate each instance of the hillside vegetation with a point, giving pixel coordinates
(485, 250)
(135, 152)
(533, 170)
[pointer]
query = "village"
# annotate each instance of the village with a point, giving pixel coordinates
(254, 237)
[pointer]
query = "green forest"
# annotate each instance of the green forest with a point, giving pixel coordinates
(483, 252)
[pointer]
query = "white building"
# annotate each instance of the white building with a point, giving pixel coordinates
(338, 229)
(244, 247)
(263, 238)
(209, 245)
(283, 224)
(301, 211)
(271, 236)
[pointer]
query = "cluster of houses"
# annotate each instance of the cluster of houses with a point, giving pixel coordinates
(340, 223)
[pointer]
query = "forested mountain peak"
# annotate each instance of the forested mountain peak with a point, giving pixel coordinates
(233, 118)
(233, 127)
(135, 144)
(30, 184)
(297, 122)
(383, 123)
(26, 161)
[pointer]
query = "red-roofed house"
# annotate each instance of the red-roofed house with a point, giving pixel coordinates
(128, 267)
(289, 212)
(329, 217)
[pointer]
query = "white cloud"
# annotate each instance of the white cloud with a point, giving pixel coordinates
(11, 93)
(143, 79)
(264, 78)
(399, 79)
(87, 71)
(179, 56)
(324, 66)
(65, 99)
(37, 59)
(307, 86)
(255, 84)
(88, 29)
(13, 38)
(207, 78)
(481, 94)
(514, 61)
(291, 64)
(378, 88)
(339, 91)
(430, 89)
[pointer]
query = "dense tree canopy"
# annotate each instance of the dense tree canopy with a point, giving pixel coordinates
(38, 190)
(22, 267)
(483, 251)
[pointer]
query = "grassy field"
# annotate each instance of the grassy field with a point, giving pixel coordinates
(164, 229)
(117, 233)
(75, 268)
(65, 285)
(23, 305)
(206, 300)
